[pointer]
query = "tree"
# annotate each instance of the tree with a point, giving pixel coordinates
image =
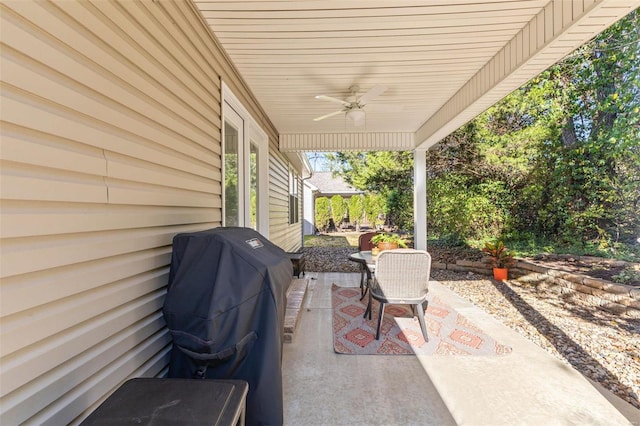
(374, 207)
(338, 209)
(323, 213)
(389, 173)
(591, 188)
(557, 158)
(356, 209)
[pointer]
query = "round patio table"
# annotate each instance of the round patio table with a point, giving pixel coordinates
(367, 264)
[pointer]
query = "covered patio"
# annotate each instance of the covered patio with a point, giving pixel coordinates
(526, 387)
(125, 123)
(441, 64)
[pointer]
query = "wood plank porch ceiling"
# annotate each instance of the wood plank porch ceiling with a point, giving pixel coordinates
(443, 61)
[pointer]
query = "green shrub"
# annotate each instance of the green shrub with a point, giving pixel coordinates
(399, 209)
(629, 275)
(338, 209)
(459, 210)
(356, 209)
(374, 206)
(323, 213)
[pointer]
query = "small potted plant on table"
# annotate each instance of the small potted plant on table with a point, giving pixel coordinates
(387, 241)
(501, 258)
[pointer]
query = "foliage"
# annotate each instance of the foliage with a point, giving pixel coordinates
(530, 244)
(461, 209)
(322, 213)
(338, 209)
(557, 159)
(253, 188)
(501, 257)
(346, 240)
(385, 237)
(589, 176)
(374, 207)
(356, 209)
(629, 275)
(375, 171)
(389, 174)
(231, 189)
(399, 209)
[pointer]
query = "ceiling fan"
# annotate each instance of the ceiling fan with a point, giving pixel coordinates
(353, 106)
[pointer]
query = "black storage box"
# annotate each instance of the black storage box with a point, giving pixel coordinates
(225, 310)
(155, 401)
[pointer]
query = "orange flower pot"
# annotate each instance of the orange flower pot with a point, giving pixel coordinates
(387, 246)
(500, 274)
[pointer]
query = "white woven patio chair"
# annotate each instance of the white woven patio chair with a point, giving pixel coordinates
(402, 277)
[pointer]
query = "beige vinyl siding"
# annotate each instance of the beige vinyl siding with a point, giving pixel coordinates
(289, 236)
(110, 146)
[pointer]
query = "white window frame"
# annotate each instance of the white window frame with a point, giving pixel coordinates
(251, 131)
(294, 194)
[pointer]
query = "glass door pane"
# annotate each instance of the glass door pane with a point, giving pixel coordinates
(245, 164)
(253, 185)
(232, 179)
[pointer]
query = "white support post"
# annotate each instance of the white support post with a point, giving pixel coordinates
(420, 199)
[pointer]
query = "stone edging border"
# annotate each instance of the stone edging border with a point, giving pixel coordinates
(618, 298)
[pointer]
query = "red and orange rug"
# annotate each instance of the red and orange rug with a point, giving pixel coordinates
(449, 332)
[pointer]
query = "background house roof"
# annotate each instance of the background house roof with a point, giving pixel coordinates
(328, 185)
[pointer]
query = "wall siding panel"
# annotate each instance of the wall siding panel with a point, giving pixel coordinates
(288, 236)
(110, 147)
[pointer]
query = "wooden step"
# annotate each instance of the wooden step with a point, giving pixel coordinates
(295, 298)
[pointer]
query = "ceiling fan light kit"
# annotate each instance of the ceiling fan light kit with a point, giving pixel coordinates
(356, 114)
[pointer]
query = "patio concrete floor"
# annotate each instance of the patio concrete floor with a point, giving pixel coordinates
(527, 387)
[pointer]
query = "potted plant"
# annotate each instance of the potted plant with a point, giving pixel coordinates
(501, 258)
(388, 241)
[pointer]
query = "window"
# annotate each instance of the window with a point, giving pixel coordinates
(254, 193)
(244, 168)
(294, 201)
(232, 177)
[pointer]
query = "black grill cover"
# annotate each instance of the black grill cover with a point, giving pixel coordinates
(225, 312)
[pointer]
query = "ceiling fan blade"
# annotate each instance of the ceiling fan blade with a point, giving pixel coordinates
(330, 99)
(384, 108)
(327, 115)
(374, 92)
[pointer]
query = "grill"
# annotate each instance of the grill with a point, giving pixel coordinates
(225, 311)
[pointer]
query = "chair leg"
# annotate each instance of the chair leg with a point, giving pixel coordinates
(368, 310)
(364, 284)
(380, 315)
(423, 324)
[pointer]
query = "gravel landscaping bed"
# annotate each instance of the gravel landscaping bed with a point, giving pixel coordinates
(603, 346)
(330, 259)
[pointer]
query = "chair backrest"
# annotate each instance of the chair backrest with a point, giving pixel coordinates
(403, 273)
(364, 241)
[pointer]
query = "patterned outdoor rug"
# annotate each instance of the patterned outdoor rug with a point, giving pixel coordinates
(449, 332)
